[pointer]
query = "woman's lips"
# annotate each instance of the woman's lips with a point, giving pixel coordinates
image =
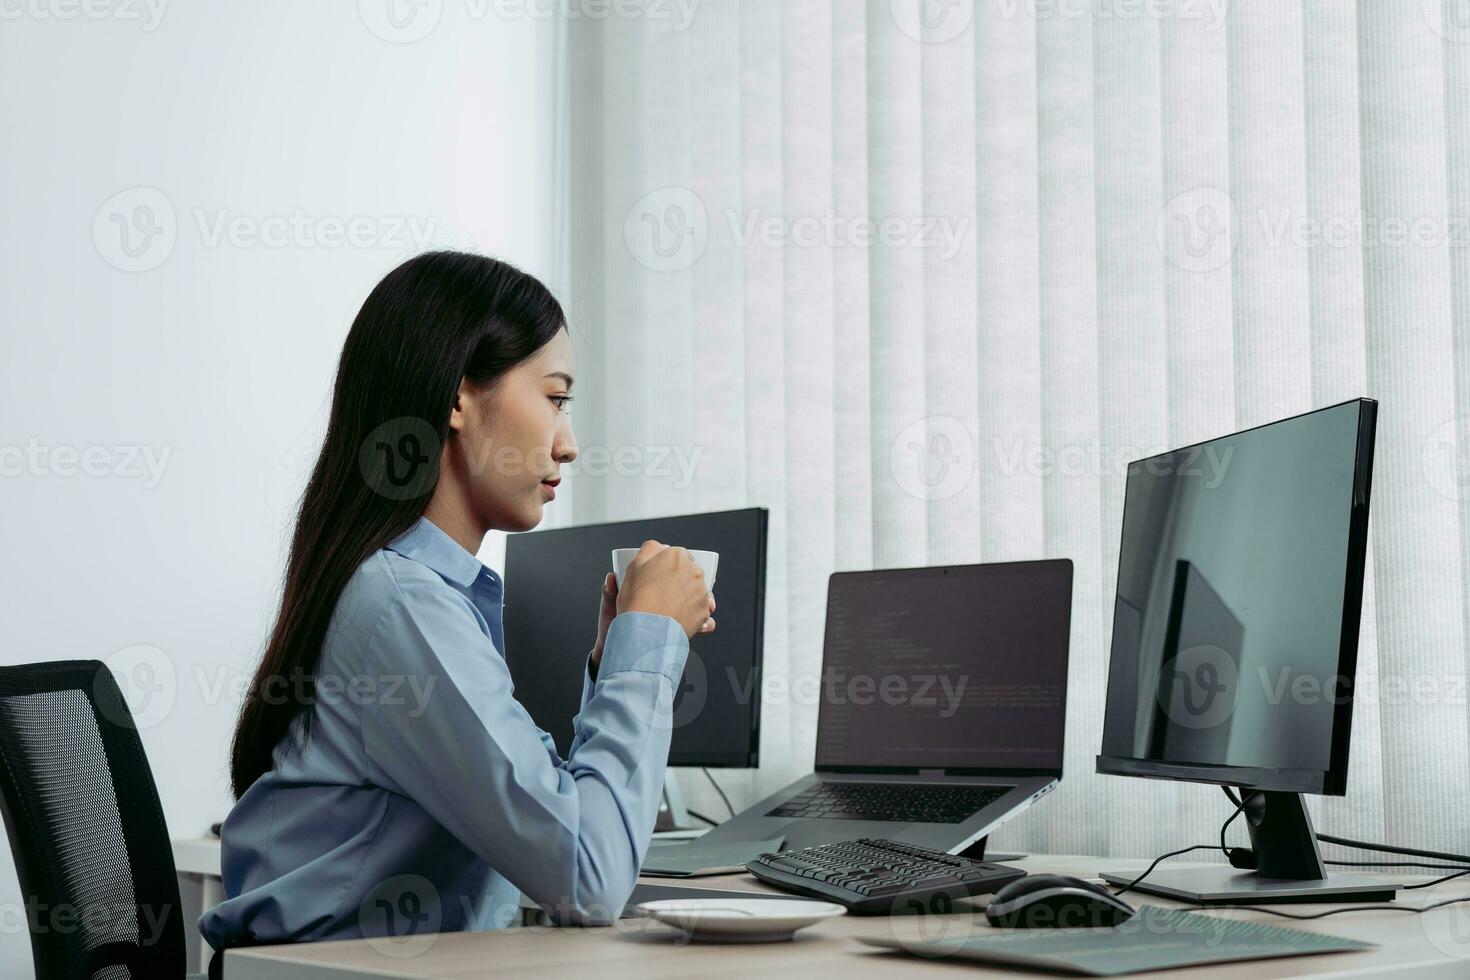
(550, 489)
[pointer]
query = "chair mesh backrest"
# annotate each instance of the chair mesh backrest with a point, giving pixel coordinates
(91, 847)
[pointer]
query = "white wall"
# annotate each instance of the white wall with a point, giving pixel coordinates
(218, 358)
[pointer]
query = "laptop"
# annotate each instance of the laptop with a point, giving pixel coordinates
(941, 707)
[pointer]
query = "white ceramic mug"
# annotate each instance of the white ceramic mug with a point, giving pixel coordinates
(707, 561)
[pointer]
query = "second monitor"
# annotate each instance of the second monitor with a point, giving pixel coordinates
(553, 586)
(1235, 639)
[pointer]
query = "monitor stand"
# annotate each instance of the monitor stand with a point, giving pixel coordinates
(1288, 865)
(673, 815)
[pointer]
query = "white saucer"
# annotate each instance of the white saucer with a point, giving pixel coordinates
(739, 920)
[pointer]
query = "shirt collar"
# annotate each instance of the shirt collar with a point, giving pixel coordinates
(428, 545)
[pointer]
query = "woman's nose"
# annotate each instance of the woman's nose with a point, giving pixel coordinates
(565, 446)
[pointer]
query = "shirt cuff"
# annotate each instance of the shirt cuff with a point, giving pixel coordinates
(645, 642)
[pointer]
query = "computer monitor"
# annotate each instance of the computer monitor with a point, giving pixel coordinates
(553, 583)
(1235, 636)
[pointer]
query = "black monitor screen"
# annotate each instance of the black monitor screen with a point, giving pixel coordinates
(1236, 617)
(553, 581)
(958, 668)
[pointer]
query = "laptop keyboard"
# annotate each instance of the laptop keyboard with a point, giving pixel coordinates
(904, 802)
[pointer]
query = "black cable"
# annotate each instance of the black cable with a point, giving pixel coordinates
(1348, 908)
(1459, 859)
(718, 790)
(1398, 864)
(1239, 806)
(1239, 802)
(1437, 881)
(1148, 871)
(699, 816)
(1460, 871)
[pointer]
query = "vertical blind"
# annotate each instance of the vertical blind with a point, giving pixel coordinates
(921, 277)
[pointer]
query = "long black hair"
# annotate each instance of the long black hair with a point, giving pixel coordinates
(437, 319)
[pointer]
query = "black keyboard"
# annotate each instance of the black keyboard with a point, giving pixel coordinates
(874, 876)
(905, 802)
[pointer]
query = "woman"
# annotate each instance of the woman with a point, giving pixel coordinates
(387, 782)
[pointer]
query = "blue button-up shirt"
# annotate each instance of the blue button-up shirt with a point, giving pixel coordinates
(424, 798)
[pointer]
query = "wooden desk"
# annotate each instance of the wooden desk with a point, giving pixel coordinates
(1430, 946)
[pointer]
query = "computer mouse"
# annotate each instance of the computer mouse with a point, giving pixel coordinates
(1056, 901)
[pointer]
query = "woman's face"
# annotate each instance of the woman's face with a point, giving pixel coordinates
(514, 436)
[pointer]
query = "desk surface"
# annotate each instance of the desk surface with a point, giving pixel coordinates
(1433, 945)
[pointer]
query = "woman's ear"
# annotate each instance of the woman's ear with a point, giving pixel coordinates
(463, 399)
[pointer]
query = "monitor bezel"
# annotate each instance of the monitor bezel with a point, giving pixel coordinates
(1333, 780)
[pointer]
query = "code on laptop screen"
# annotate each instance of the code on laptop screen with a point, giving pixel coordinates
(962, 667)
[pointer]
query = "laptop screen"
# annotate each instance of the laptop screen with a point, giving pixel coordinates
(959, 668)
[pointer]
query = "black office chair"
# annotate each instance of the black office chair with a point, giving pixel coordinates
(91, 846)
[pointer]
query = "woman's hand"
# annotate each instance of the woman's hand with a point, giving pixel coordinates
(666, 581)
(605, 615)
